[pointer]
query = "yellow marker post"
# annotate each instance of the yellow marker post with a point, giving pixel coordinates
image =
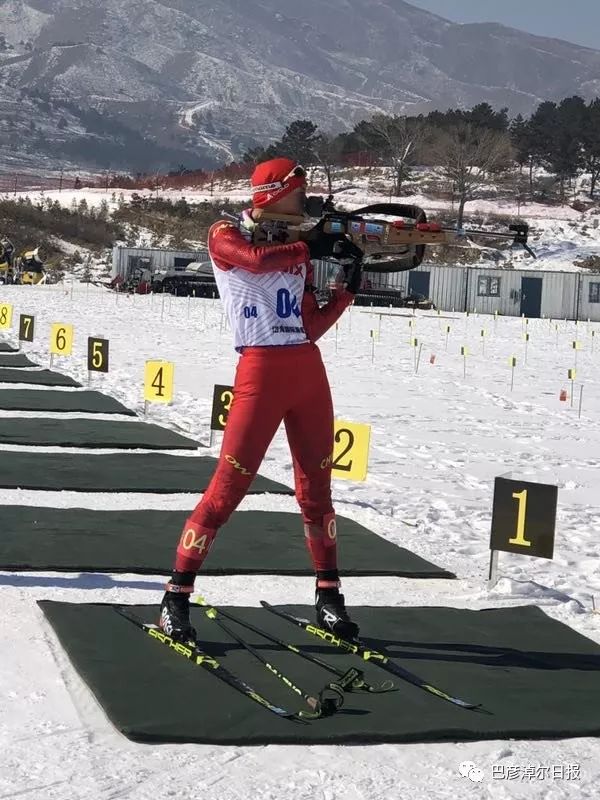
(6, 315)
(447, 335)
(483, 335)
(350, 450)
(572, 374)
(158, 382)
(464, 351)
(526, 337)
(576, 346)
(414, 343)
(372, 334)
(513, 363)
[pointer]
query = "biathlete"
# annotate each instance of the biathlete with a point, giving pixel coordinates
(268, 295)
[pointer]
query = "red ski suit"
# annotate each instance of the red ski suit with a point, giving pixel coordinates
(273, 383)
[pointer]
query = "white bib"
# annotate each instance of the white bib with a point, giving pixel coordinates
(263, 309)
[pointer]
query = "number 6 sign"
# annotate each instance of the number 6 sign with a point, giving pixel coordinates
(61, 339)
(350, 450)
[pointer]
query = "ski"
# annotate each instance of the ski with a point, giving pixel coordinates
(195, 655)
(368, 654)
(329, 699)
(358, 682)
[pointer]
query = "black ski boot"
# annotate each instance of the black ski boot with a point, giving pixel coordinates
(175, 608)
(332, 614)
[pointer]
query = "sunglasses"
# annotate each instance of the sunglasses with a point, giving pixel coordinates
(297, 172)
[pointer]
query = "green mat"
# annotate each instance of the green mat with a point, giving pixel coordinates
(143, 542)
(41, 377)
(49, 432)
(536, 678)
(120, 472)
(49, 400)
(15, 360)
(5, 347)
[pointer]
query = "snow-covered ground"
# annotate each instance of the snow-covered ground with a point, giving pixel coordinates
(438, 441)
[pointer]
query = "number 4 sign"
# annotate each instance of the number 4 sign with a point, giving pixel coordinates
(158, 381)
(523, 520)
(350, 450)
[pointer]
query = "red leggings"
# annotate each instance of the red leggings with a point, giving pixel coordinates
(273, 384)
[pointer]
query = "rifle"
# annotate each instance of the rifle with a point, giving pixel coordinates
(387, 245)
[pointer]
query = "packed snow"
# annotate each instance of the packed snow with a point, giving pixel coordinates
(438, 441)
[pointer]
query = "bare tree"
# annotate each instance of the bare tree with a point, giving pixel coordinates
(399, 140)
(467, 154)
(327, 150)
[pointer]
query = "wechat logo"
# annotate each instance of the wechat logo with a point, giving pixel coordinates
(469, 770)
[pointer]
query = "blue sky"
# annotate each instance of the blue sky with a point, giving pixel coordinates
(576, 20)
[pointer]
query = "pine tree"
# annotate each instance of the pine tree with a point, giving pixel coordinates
(299, 140)
(590, 137)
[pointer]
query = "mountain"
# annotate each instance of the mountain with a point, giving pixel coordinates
(153, 83)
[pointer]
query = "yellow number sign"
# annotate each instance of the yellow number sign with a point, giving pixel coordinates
(158, 381)
(350, 450)
(61, 339)
(6, 312)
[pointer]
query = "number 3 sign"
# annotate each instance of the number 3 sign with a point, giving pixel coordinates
(350, 450)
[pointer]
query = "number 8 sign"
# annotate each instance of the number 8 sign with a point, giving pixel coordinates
(158, 381)
(350, 450)
(6, 312)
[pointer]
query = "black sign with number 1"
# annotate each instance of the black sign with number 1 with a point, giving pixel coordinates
(524, 517)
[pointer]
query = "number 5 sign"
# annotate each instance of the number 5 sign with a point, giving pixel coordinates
(158, 381)
(97, 357)
(350, 450)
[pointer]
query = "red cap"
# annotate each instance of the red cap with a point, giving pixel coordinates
(274, 179)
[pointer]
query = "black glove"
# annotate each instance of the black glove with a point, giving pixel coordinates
(324, 246)
(353, 276)
(320, 244)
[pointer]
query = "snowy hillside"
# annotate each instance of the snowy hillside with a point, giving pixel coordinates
(438, 442)
(107, 84)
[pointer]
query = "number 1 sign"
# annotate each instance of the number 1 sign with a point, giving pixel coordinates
(523, 520)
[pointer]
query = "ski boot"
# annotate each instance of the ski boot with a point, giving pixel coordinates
(332, 614)
(175, 608)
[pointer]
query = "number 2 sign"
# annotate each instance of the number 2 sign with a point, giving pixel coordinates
(350, 450)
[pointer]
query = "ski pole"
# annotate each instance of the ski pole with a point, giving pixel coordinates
(322, 706)
(358, 683)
